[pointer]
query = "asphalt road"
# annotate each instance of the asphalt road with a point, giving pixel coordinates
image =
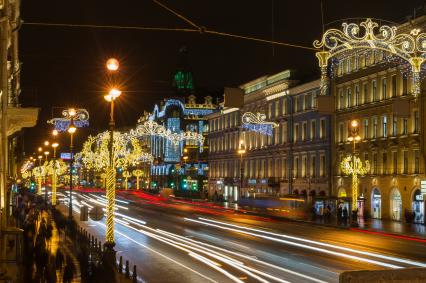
(179, 242)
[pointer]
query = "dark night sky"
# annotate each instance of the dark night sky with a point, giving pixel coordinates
(65, 66)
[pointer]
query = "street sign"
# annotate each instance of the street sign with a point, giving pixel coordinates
(65, 155)
(96, 213)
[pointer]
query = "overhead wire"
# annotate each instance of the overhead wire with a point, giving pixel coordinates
(196, 28)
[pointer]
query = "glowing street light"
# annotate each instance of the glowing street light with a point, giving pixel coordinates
(54, 132)
(54, 145)
(71, 130)
(241, 151)
(112, 64)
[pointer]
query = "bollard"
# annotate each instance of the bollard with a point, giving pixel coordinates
(120, 265)
(134, 275)
(127, 269)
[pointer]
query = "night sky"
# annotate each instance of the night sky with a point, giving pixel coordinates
(65, 66)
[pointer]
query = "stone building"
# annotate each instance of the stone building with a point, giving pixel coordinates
(292, 158)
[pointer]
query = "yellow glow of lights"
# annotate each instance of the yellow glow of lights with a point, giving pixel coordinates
(112, 95)
(55, 132)
(72, 112)
(72, 129)
(112, 64)
(46, 153)
(354, 123)
(40, 149)
(46, 143)
(55, 145)
(241, 151)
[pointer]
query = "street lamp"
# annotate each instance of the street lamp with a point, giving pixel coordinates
(46, 154)
(54, 145)
(40, 176)
(241, 151)
(112, 64)
(46, 143)
(354, 137)
(112, 95)
(71, 130)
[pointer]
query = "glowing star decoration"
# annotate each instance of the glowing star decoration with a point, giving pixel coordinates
(137, 173)
(80, 120)
(257, 123)
(411, 47)
(127, 151)
(151, 128)
(352, 165)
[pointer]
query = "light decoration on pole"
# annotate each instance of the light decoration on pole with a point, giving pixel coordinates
(127, 152)
(257, 123)
(80, 119)
(39, 172)
(352, 165)
(55, 168)
(411, 47)
(126, 175)
(137, 173)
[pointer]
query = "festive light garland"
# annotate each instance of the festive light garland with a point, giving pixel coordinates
(127, 151)
(151, 128)
(411, 47)
(137, 173)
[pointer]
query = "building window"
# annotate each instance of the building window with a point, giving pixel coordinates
(366, 156)
(284, 108)
(394, 89)
(270, 107)
(313, 130)
(365, 87)
(305, 131)
(375, 129)
(342, 99)
(366, 129)
(357, 98)
(296, 168)
(322, 128)
(304, 166)
(375, 163)
(416, 122)
(308, 101)
(313, 166)
(277, 108)
(314, 99)
(395, 162)
(404, 84)
(374, 90)
(404, 126)
(341, 132)
(416, 161)
(322, 166)
(394, 126)
(348, 65)
(384, 163)
(362, 60)
(348, 98)
(385, 126)
(384, 88)
(296, 133)
(405, 157)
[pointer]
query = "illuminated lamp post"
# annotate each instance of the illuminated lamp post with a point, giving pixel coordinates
(352, 165)
(71, 130)
(54, 182)
(46, 153)
(241, 151)
(137, 173)
(39, 179)
(110, 173)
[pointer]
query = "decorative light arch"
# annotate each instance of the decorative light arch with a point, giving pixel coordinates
(410, 47)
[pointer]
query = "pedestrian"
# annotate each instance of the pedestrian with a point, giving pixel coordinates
(59, 259)
(51, 270)
(68, 271)
(345, 215)
(339, 214)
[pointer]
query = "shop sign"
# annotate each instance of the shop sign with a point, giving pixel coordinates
(419, 197)
(377, 196)
(252, 181)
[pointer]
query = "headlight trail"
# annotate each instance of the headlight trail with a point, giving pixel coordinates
(391, 258)
(297, 244)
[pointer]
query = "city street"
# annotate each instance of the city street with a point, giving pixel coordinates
(186, 245)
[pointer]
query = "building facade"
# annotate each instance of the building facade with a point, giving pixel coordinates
(368, 86)
(184, 166)
(291, 158)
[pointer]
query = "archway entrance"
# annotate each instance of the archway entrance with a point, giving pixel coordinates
(396, 205)
(376, 204)
(418, 208)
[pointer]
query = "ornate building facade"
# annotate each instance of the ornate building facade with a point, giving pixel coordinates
(292, 158)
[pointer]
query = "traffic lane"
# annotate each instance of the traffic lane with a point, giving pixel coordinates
(353, 239)
(148, 212)
(155, 261)
(256, 246)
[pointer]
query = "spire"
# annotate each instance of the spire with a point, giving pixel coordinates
(183, 80)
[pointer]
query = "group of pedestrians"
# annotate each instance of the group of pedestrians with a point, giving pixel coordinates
(41, 262)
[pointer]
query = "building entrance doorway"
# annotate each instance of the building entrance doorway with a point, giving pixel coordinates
(376, 204)
(396, 205)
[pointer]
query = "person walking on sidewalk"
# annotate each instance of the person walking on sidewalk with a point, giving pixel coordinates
(345, 216)
(59, 260)
(68, 271)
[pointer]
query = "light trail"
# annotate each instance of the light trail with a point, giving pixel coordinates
(298, 244)
(391, 258)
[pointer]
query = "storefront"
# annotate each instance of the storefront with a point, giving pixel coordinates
(418, 207)
(396, 205)
(376, 204)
